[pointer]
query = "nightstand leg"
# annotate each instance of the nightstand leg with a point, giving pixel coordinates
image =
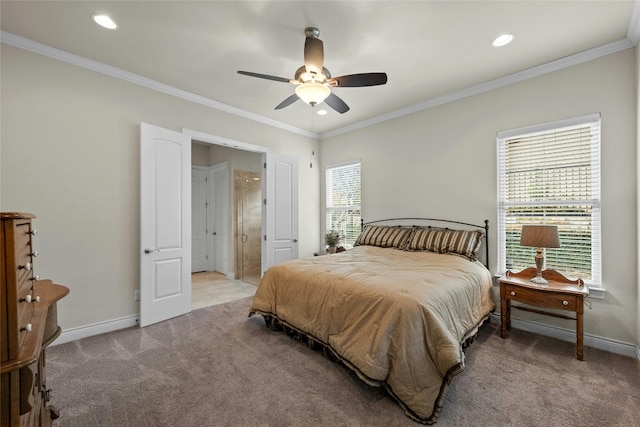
(579, 336)
(504, 316)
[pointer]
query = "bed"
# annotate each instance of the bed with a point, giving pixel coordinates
(397, 309)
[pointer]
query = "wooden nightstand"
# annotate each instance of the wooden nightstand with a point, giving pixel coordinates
(561, 293)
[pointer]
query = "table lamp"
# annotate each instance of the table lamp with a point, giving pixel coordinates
(539, 237)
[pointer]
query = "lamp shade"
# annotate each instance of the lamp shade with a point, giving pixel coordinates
(540, 236)
(313, 93)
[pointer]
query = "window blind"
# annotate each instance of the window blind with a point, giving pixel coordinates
(343, 200)
(551, 175)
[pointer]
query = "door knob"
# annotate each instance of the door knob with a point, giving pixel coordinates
(150, 251)
(295, 240)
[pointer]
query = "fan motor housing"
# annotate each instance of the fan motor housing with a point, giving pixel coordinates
(303, 76)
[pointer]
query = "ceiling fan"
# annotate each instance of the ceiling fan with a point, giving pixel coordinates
(314, 82)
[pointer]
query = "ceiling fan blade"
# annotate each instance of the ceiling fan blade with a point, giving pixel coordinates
(359, 80)
(313, 55)
(290, 100)
(336, 103)
(265, 76)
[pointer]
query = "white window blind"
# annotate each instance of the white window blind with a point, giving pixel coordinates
(550, 174)
(343, 200)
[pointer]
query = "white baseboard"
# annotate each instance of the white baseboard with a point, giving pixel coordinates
(80, 332)
(601, 343)
(606, 344)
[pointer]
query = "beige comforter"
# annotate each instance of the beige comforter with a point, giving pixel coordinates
(397, 318)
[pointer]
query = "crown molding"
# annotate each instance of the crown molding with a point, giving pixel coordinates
(559, 64)
(569, 61)
(118, 73)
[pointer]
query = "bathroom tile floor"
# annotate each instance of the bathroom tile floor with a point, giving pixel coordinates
(212, 288)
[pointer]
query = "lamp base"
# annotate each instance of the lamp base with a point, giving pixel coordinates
(539, 280)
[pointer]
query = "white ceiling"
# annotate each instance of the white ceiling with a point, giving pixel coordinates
(429, 49)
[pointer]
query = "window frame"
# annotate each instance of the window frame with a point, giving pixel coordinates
(330, 209)
(594, 202)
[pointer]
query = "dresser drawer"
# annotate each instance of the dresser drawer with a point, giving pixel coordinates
(24, 259)
(25, 312)
(541, 297)
(22, 236)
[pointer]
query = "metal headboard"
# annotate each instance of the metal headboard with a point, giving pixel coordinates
(485, 227)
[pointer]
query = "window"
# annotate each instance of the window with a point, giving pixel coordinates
(550, 174)
(343, 200)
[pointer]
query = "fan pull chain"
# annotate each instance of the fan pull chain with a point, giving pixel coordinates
(313, 153)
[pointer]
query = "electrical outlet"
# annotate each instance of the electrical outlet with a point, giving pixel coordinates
(136, 295)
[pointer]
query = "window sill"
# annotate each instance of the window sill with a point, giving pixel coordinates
(596, 292)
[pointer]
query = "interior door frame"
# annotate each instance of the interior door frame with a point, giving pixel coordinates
(265, 152)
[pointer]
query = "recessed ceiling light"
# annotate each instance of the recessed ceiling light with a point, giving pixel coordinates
(104, 21)
(322, 112)
(503, 39)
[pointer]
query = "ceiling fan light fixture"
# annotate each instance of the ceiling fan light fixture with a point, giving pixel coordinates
(313, 93)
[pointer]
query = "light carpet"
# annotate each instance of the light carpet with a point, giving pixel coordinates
(216, 367)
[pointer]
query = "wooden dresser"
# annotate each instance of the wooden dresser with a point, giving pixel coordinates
(28, 324)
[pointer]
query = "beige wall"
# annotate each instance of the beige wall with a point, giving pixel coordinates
(199, 154)
(638, 190)
(441, 162)
(70, 155)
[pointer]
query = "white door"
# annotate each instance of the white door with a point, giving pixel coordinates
(219, 217)
(199, 205)
(282, 223)
(165, 224)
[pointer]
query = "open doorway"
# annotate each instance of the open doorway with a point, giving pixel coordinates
(169, 192)
(218, 275)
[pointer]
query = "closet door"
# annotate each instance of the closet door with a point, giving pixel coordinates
(199, 207)
(219, 218)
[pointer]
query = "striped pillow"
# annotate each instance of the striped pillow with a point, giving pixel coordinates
(444, 241)
(384, 237)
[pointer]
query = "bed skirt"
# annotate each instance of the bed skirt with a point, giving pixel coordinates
(275, 324)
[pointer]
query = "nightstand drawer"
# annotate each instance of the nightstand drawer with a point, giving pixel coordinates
(541, 297)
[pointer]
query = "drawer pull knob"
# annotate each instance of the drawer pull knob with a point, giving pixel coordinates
(27, 267)
(513, 293)
(565, 302)
(34, 254)
(35, 278)
(29, 299)
(27, 328)
(33, 232)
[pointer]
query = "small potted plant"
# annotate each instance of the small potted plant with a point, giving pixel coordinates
(331, 239)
